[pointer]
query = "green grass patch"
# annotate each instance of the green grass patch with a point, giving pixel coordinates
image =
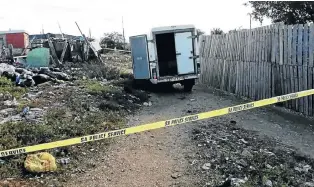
(6, 86)
(96, 88)
(59, 124)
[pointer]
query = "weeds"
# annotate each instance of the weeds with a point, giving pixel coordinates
(96, 88)
(6, 86)
(58, 126)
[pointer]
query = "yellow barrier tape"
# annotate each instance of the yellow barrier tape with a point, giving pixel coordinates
(156, 125)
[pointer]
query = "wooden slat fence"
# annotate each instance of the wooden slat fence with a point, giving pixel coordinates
(262, 63)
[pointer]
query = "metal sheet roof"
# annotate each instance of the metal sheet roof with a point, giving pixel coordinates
(12, 32)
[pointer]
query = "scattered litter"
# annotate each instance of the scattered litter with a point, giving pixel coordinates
(64, 161)
(40, 162)
(305, 168)
(309, 184)
(25, 111)
(243, 141)
(206, 166)
(10, 103)
(269, 166)
(175, 175)
(269, 183)
(193, 162)
(147, 103)
(238, 182)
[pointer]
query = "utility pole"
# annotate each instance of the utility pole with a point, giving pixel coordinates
(250, 20)
(61, 31)
(42, 28)
(90, 34)
(123, 34)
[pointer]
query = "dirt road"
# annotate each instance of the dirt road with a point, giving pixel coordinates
(173, 156)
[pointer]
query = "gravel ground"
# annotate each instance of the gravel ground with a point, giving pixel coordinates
(260, 147)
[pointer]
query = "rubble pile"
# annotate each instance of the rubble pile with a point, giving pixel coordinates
(231, 156)
(48, 104)
(31, 77)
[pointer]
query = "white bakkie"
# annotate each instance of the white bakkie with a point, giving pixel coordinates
(167, 55)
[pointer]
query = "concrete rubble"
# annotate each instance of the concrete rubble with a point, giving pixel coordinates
(238, 157)
(31, 77)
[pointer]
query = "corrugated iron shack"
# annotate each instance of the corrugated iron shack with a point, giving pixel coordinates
(19, 39)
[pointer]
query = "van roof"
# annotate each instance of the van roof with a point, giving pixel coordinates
(177, 27)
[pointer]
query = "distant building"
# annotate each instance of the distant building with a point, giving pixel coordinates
(19, 39)
(51, 35)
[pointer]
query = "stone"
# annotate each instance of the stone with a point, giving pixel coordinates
(6, 67)
(61, 76)
(269, 166)
(29, 82)
(6, 111)
(41, 78)
(11, 118)
(206, 166)
(247, 153)
(64, 161)
(242, 162)
(10, 75)
(243, 141)
(305, 168)
(20, 70)
(238, 182)
(308, 184)
(36, 109)
(269, 183)
(175, 175)
(147, 103)
(10, 103)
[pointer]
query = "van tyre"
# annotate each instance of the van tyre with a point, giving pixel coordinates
(188, 85)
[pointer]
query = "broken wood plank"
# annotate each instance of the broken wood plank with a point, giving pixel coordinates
(64, 51)
(53, 52)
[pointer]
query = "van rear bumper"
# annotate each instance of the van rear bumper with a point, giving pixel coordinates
(174, 78)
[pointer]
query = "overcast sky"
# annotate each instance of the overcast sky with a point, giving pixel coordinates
(106, 15)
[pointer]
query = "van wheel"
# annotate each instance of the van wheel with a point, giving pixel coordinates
(188, 85)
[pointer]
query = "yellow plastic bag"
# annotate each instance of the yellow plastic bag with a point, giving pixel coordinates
(40, 162)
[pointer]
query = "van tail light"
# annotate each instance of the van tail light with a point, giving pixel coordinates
(154, 73)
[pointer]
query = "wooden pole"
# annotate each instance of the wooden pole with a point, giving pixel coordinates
(61, 31)
(123, 33)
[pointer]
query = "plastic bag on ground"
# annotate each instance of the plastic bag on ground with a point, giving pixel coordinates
(40, 162)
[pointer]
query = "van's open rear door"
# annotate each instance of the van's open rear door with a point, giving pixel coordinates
(140, 57)
(184, 50)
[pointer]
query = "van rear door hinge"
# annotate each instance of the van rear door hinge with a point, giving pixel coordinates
(193, 37)
(152, 41)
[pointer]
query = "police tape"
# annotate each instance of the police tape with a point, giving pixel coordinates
(156, 125)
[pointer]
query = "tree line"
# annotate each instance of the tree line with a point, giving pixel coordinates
(287, 12)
